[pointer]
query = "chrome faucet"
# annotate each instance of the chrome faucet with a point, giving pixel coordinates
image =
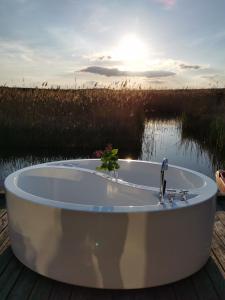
(162, 187)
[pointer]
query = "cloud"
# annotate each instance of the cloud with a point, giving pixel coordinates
(105, 57)
(116, 72)
(179, 66)
(190, 67)
(16, 51)
(19, 59)
(103, 60)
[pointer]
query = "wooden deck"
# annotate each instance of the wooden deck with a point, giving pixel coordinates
(20, 283)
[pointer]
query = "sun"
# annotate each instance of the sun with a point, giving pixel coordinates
(131, 50)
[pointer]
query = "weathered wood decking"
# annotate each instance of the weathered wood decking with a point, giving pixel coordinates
(19, 283)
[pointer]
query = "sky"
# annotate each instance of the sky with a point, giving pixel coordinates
(101, 43)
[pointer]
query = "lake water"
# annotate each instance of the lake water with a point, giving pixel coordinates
(161, 138)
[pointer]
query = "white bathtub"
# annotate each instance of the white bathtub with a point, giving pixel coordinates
(71, 223)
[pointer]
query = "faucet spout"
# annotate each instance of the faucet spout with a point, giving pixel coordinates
(162, 187)
(164, 166)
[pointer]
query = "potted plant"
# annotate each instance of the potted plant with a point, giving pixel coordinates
(109, 159)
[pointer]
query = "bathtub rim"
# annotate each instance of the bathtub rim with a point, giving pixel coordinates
(207, 191)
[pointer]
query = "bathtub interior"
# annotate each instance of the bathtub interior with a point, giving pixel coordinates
(148, 174)
(70, 185)
(63, 182)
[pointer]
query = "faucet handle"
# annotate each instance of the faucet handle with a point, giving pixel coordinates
(171, 193)
(184, 194)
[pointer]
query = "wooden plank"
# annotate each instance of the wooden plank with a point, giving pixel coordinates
(101, 294)
(24, 285)
(204, 287)
(5, 258)
(3, 221)
(218, 249)
(9, 277)
(145, 294)
(164, 292)
(185, 290)
(5, 245)
(122, 295)
(216, 261)
(42, 289)
(3, 236)
(219, 229)
(60, 291)
(2, 212)
(216, 278)
(81, 293)
(221, 216)
(96, 294)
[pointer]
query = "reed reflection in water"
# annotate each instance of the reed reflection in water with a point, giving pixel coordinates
(160, 138)
(163, 138)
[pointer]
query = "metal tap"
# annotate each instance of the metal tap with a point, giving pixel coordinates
(184, 194)
(162, 187)
(171, 195)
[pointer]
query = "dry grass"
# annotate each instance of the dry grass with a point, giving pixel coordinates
(86, 120)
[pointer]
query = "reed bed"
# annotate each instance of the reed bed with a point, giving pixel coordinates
(203, 121)
(81, 120)
(34, 119)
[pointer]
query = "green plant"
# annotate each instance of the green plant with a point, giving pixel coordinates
(109, 159)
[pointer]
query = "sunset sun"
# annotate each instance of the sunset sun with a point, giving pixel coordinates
(131, 51)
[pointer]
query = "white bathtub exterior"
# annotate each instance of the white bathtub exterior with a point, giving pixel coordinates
(84, 229)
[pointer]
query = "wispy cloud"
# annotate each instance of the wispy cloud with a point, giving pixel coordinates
(190, 67)
(116, 72)
(179, 65)
(18, 51)
(103, 60)
(19, 60)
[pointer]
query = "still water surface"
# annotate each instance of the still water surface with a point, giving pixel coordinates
(164, 139)
(161, 138)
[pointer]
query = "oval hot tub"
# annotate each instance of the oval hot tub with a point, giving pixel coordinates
(73, 224)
